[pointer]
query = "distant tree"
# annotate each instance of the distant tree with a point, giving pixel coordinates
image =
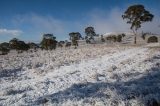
(136, 15)
(13, 43)
(5, 45)
(108, 38)
(60, 44)
(119, 38)
(3, 51)
(144, 35)
(33, 45)
(74, 37)
(18, 45)
(152, 39)
(90, 33)
(48, 42)
(123, 35)
(113, 38)
(22, 46)
(102, 38)
(87, 40)
(4, 48)
(68, 44)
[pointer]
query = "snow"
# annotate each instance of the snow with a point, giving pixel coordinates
(92, 75)
(117, 33)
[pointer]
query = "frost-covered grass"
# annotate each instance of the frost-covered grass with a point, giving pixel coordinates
(90, 75)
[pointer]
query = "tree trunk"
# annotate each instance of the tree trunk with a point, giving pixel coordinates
(135, 40)
(135, 35)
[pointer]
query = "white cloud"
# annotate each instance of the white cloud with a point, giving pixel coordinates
(38, 24)
(111, 21)
(108, 21)
(10, 32)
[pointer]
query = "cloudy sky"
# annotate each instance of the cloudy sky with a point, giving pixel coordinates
(28, 20)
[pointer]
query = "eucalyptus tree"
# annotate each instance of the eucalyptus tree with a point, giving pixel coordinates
(136, 15)
(90, 34)
(74, 37)
(48, 42)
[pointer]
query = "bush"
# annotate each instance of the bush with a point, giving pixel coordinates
(119, 38)
(4, 51)
(102, 38)
(123, 35)
(152, 39)
(48, 42)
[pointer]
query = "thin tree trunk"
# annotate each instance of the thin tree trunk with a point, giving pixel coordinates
(135, 40)
(135, 36)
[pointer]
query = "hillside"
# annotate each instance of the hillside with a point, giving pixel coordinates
(92, 75)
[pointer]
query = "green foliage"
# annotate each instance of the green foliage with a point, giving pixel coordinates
(18, 45)
(115, 38)
(119, 38)
(102, 38)
(22, 46)
(123, 35)
(4, 48)
(74, 37)
(5, 45)
(152, 39)
(90, 33)
(13, 43)
(112, 38)
(33, 45)
(136, 15)
(48, 42)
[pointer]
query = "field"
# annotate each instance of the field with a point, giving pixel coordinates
(92, 75)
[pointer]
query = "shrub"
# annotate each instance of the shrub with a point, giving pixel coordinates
(152, 39)
(119, 38)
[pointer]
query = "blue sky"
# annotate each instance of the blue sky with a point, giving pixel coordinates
(28, 20)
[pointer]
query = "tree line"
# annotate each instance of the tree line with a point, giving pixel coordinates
(48, 42)
(135, 16)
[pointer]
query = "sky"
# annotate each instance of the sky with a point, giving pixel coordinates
(28, 20)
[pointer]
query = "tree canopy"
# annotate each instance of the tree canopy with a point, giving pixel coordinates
(48, 42)
(74, 37)
(90, 33)
(136, 15)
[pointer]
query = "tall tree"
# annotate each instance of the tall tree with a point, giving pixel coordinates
(74, 37)
(48, 42)
(136, 15)
(90, 33)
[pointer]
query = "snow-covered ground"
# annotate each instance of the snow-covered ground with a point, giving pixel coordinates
(92, 75)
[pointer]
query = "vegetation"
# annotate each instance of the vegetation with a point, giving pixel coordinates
(119, 38)
(33, 45)
(116, 38)
(90, 33)
(4, 48)
(152, 39)
(112, 38)
(102, 38)
(144, 35)
(136, 15)
(18, 45)
(74, 37)
(48, 42)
